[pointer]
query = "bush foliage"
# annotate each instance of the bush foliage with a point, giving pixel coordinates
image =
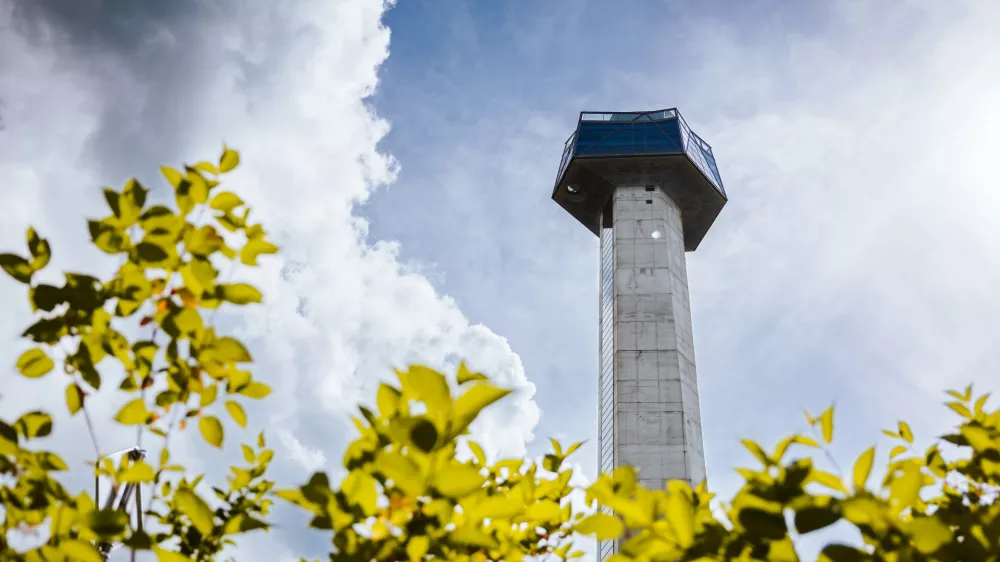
(409, 493)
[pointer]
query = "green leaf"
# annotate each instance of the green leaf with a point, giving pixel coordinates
(470, 403)
(108, 238)
(151, 253)
(256, 390)
(74, 398)
(196, 509)
(457, 480)
(82, 551)
(34, 363)
(226, 201)
(254, 248)
(842, 553)
(108, 523)
(863, 468)
(816, 517)
(229, 160)
(211, 430)
(761, 523)
(602, 526)
(17, 267)
(34, 424)
(424, 435)
(167, 556)
(237, 413)
(239, 293)
(40, 250)
(133, 413)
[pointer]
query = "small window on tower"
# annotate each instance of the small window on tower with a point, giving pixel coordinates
(649, 201)
(650, 188)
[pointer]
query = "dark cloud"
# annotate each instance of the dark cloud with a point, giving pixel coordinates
(157, 63)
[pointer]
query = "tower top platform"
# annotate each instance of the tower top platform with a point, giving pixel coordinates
(650, 148)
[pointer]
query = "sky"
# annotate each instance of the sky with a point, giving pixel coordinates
(403, 157)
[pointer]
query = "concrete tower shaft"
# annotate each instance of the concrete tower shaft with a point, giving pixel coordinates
(650, 188)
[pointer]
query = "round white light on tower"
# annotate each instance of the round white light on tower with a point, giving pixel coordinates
(656, 234)
(573, 188)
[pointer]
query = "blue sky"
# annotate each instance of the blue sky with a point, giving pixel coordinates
(404, 157)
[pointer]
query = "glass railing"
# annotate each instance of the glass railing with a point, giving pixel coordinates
(639, 134)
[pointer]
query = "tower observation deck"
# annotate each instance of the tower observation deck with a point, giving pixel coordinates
(650, 189)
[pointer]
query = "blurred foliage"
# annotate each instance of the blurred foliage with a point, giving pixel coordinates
(414, 485)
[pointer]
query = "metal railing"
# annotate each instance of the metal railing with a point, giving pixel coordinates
(694, 146)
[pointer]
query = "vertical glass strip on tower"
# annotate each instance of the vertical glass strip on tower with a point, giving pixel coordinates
(606, 379)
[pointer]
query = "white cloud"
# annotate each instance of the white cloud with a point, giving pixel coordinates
(341, 310)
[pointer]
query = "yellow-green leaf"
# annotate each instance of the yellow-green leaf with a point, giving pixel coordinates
(757, 451)
(40, 250)
(402, 471)
(472, 536)
(897, 450)
(248, 454)
(465, 375)
(74, 398)
(231, 349)
(237, 413)
(472, 401)
(256, 390)
(34, 363)
(929, 534)
(133, 413)
(255, 248)
(173, 176)
(477, 451)
(602, 526)
(388, 401)
(863, 468)
(544, 511)
(428, 386)
(793, 440)
(497, 507)
(211, 430)
(905, 433)
(680, 515)
(17, 267)
(78, 550)
(167, 556)
(139, 471)
(229, 160)
(826, 479)
(239, 293)
(361, 490)
(417, 547)
(226, 201)
(457, 480)
(960, 409)
(905, 488)
(208, 395)
(826, 423)
(196, 509)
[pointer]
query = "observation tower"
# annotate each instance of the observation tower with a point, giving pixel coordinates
(649, 187)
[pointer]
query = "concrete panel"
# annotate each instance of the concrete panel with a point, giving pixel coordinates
(657, 416)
